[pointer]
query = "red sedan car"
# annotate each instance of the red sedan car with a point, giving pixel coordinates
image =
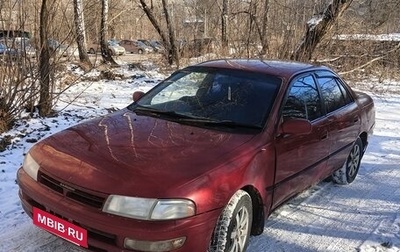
(199, 161)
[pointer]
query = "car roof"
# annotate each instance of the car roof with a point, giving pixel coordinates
(271, 67)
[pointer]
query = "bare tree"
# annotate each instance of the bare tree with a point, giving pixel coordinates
(168, 40)
(252, 24)
(264, 23)
(317, 27)
(150, 15)
(224, 24)
(172, 52)
(45, 99)
(105, 53)
(80, 33)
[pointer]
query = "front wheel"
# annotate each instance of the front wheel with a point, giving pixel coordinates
(348, 172)
(233, 228)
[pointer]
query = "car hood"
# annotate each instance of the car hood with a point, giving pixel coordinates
(124, 153)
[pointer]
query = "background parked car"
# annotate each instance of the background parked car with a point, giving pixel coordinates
(155, 45)
(5, 51)
(134, 46)
(113, 47)
(59, 49)
(3, 48)
(27, 50)
(18, 47)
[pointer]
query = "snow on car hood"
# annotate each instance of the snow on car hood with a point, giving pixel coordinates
(123, 153)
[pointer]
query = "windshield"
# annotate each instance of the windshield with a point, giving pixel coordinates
(222, 97)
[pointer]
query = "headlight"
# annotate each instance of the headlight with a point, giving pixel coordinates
(149, 209)
(30, 166)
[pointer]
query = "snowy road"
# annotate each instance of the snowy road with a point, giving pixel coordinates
(361, 217)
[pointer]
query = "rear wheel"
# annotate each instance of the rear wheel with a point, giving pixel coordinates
(92, 51)
(348, 172)
(233, 228)
(140, 51)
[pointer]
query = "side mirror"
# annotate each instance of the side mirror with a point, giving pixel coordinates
(137, 95)
(296, 126)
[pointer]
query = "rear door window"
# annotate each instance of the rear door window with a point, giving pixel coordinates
(334, 94)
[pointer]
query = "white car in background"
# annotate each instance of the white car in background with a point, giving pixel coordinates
(113, 47)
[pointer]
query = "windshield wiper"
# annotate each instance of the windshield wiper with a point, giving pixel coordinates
(185, 118)
(154, 111)
(158, 113)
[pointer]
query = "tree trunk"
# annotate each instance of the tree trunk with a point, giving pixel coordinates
(155, 23)
(105, 52)
(173, 52)
(224, 25)
(80, 33)
(264, 40)
(317, 27)
(45, 99)
(164, 38)
(252, 21)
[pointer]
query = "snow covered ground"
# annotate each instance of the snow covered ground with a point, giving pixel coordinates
(361, 217)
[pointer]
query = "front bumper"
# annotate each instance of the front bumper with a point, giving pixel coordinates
(108, 232)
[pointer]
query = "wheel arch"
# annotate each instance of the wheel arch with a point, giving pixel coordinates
(364, 139)
(258, 210)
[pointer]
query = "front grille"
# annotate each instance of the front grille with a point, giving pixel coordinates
(71, 192)
(86, 198)
(50, 183)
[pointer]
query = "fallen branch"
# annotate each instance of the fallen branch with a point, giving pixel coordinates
(372, 61)
(330, 60)
(362, 66)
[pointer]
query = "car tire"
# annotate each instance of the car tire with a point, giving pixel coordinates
(233, 227)
(92, 51)
(348, 172)
(140, 51)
